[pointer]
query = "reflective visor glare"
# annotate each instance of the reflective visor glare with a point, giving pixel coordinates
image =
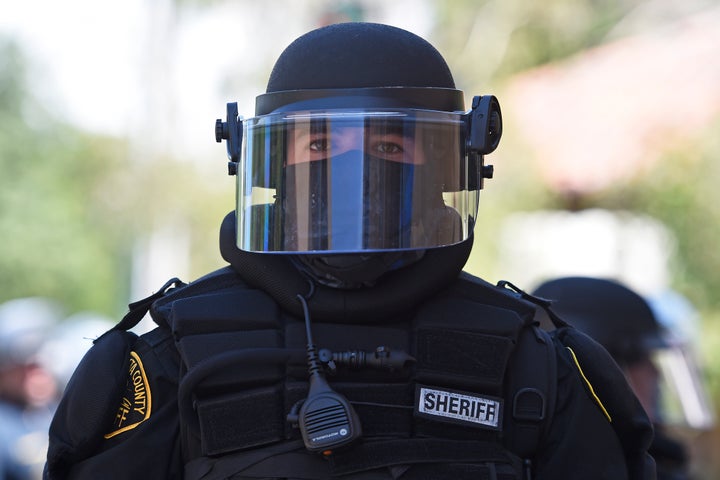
(352, 181)
(683, 399)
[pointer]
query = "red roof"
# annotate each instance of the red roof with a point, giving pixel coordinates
(612, 110)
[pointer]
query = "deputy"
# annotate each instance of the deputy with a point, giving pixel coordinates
(343, 316)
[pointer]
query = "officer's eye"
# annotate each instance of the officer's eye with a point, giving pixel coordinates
(319, 145)
(388, 148)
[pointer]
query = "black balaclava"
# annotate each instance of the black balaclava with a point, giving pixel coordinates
(358, 55)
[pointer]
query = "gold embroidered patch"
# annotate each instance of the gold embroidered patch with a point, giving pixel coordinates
(136, 405)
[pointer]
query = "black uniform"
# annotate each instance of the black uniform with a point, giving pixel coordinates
(121, 415)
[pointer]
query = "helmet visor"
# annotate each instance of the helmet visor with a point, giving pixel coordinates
(684, 402)
(345, 181)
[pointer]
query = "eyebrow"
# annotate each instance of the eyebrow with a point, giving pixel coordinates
(388, 126)
(318, 125)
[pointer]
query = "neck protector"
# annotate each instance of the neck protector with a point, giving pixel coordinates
(354, 270)
(394, 293)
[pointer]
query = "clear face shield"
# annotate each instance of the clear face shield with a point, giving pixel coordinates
(350, 180)
(318, 174)
(683, 400)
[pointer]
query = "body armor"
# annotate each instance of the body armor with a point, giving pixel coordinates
(437, 390)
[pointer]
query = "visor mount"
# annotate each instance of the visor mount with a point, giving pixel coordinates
(232, 132)
(485, 125)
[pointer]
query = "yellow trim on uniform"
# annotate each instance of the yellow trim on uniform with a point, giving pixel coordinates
(590, 387)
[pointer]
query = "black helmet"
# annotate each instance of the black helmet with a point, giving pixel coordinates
(360, 144)
(609, 312)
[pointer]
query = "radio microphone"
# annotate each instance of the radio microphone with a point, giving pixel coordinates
(326, 419)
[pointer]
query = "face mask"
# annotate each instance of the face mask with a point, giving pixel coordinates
(354, 270)
(350, 202)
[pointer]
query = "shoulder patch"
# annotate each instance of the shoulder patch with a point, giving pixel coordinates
(136, 403)
(455, 406)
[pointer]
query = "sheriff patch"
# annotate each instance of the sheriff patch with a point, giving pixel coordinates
(136, 404)
(454, 406)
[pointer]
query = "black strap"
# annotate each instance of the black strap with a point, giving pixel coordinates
(140, 308)
(283, 460)
(291, 460)
(544, 303)
(534, 397)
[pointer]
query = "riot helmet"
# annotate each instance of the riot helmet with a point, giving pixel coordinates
(24, 327)
(609, 312)
(360, 145)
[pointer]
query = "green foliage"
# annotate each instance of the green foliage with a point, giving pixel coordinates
(73, 205)
(56, 240)
(169, 191)
(681, 190)
(488, 41)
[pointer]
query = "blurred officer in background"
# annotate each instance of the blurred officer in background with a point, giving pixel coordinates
(28, 390)
(657, 364)
(68, 342)
(358, 183)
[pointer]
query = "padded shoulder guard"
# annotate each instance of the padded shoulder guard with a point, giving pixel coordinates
(607, 385)
(89, 402)
(118, 416)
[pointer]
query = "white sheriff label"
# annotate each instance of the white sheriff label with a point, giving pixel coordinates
(454, 406)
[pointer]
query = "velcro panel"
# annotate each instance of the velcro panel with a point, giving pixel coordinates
(342, 336)
(241, 420)
(462, 359)
(383, 408)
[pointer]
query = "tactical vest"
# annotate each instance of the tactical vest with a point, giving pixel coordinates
(444, 392)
